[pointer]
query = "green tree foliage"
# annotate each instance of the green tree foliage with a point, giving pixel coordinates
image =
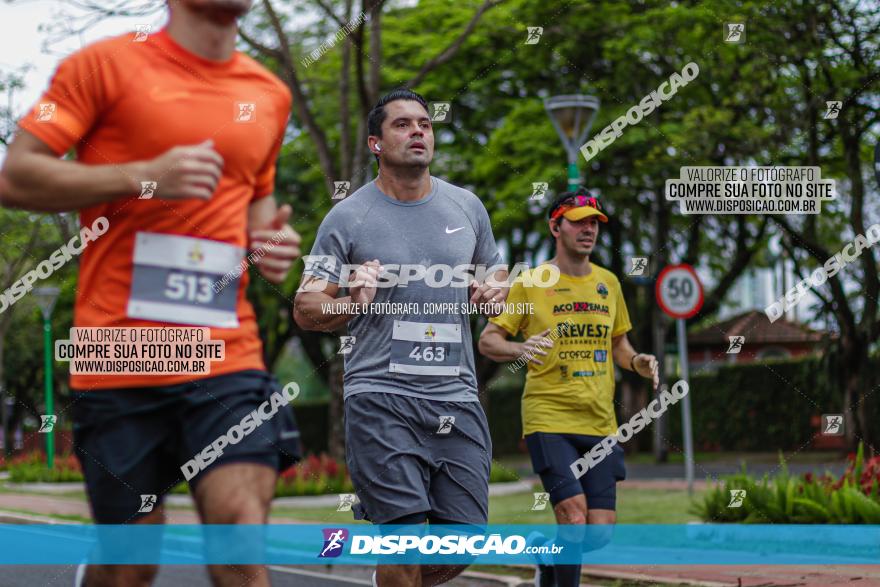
(756, 103)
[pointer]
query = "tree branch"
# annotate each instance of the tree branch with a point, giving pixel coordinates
(329, 12)
(740, 262)
(300, 102)
(448, 53)
(820, 254)
(259, 47)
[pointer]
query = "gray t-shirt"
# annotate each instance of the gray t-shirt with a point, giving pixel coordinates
(411, 352)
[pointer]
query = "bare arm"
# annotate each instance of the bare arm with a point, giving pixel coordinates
(271, 235)
(626, 357)
(308, 312)
(34, 178)
(493, 343)
(310, 307)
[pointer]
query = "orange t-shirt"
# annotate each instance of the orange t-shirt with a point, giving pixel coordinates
(121, 100)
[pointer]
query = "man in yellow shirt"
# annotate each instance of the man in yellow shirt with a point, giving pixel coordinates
(579, 325)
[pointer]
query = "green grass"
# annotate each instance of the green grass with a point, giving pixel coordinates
(655, 506)
(634, 506)
(805, 457)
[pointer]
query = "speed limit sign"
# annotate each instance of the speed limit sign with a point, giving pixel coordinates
(679, 291)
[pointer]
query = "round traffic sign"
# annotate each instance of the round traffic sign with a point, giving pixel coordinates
(679, 291)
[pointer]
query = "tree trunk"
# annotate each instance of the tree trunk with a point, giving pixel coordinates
(4, 416)
(375, 51)
(335, 425)
(661, 215)
(627, 407)
(848, 419)
(857, 389)
(854, 382)
(344, 96)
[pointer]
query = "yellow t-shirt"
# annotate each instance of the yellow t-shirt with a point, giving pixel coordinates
(573, 391)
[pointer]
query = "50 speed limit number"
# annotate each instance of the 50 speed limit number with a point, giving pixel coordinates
(679, 291)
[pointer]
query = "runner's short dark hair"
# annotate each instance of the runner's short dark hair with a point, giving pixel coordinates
(377, 114)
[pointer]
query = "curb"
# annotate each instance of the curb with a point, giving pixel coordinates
(45, 487)
(7, 517)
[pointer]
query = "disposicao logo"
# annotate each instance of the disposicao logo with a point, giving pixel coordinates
(334, 542)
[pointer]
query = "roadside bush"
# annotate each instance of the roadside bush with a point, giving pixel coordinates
(32, 468)
(854, 498)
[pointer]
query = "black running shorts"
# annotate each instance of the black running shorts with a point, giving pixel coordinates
(133, 442)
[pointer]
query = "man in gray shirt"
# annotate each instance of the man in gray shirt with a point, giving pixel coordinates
(422, 258)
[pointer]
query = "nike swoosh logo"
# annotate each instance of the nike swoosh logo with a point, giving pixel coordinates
(157, 95)
(453, 230)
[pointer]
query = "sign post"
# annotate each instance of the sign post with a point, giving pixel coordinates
(680, 296)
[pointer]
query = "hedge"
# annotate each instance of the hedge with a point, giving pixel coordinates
(759, 406)
(763, 406)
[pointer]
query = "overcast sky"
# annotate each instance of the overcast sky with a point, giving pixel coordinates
(22, 42)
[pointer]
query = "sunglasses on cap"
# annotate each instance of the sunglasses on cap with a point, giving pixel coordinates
(579, 200)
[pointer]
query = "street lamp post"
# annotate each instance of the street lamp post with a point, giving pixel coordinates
(572, 117)
(46, 297)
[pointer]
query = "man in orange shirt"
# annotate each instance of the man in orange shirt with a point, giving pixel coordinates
(176, 136)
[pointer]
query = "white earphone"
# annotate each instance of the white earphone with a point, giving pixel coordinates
(378, 147)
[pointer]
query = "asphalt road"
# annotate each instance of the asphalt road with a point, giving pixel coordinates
(190, 576)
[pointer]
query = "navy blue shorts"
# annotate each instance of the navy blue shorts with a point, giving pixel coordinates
(552, 455)
(133, 442)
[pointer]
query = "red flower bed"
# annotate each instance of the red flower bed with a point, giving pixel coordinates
(868, 481)
(315, 475)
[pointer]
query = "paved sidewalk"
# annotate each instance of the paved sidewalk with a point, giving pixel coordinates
(747, 576)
